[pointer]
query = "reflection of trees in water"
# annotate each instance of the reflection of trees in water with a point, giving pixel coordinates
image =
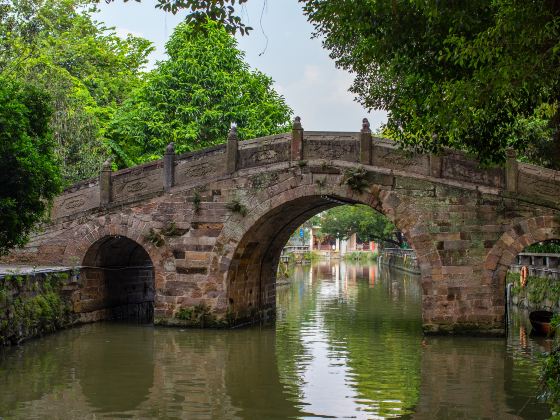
(464, 377)
(140, 372)
(30, 371)
(379, 339)
(382, 336)
(112, 378)
(296, 307)
(521, 366)
(117, 375)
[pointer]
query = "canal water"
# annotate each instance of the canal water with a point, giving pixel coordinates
(347, 343)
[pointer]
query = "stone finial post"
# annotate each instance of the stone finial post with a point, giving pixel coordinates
(105, 183)
(365, 143)
(436, 162)
(231, 150)
(169, 167)
(297, 140)
(511, 170)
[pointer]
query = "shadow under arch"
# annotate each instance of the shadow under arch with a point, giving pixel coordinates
(250, 268)
(118, 280)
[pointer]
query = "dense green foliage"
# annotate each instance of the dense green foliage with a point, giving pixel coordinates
(30, 306)
(552, 246)
(537, 291)
(86, 68)
(550, 376)
(481, 75)
(369, 225)
(29, 175)
(193, 97)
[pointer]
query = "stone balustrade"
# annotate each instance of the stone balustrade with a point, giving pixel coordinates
(528, 182)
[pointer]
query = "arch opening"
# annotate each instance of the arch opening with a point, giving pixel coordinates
(118, 281)
(252, 277)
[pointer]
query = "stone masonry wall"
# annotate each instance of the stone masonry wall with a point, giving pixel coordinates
(214, 228)
(35, 304)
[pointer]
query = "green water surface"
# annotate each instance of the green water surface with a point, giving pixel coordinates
(347, 343)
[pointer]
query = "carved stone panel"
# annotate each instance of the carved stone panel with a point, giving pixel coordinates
(539, 182)
(263, 154)
(191, 171)
(132, 184)
(392, 158)
(76, 202)
(458, 167)
(331, 147)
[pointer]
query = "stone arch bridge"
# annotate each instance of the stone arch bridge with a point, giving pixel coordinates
(206, 229)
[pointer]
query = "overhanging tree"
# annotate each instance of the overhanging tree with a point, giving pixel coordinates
(85, 67)
(192, 98)
(478, 75)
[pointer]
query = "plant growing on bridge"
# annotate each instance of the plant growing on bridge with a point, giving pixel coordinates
(171, 229)
(356, 179)
(196, 202)
(155, 237)
(197, 316)
(236, 206)
(193, 98)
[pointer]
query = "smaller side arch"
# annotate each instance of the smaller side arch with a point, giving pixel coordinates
(514, 240)
(117, 281)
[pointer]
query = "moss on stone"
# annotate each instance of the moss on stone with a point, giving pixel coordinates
(32, 306)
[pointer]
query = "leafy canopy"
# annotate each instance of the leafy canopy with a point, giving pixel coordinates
(478, 75)
(192, 98)
(199, 11)
(481, 75)
(87, 69)
(369, 225)
(29, 175)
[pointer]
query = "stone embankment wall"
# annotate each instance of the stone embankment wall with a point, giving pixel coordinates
(35, 303)
(542, 290)
(402, 259)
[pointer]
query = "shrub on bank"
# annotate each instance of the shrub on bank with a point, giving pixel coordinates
(550, 374)
(539, 291)
(360, 256)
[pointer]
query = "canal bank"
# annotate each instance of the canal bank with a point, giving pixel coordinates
(400, 259)
(35, 302)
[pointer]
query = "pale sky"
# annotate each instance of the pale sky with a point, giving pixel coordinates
(302, 70)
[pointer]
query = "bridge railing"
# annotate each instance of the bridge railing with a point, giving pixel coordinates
(301, 148)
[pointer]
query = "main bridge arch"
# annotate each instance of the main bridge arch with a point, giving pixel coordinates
(251, 245)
